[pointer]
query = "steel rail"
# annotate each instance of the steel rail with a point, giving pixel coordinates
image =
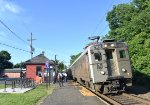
(103, 97)
(147, 102)
(124, 98)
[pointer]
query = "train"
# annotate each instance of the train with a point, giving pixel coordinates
(103, 66)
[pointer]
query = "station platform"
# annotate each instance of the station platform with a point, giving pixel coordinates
(71, 94)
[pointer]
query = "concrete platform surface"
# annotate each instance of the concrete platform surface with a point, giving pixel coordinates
(16, 90)
(70, 95)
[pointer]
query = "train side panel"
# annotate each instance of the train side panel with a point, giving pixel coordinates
(85, 74)
(80, 69)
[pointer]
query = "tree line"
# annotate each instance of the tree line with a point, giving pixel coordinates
(131, 23)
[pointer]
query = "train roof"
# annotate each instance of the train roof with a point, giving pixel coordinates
(95, 43)
(86, 49)
(109, 40)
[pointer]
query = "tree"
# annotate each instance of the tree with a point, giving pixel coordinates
(74, 57)
(61, 66)
(4, 60)
(131, 22)
(20, 65)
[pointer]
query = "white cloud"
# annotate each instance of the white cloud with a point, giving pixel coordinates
(6, 6)
(12, 8)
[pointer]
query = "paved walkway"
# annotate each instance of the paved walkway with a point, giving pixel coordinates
(70, 95)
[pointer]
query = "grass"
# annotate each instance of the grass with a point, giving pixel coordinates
(29, 98)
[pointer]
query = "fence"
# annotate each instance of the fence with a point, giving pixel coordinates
(17, 83)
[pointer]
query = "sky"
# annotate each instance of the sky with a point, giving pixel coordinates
(59, 27)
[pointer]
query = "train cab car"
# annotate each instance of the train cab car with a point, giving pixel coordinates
(112, 65)
(104, 67)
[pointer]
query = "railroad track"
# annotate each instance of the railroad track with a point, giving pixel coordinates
(120, 99)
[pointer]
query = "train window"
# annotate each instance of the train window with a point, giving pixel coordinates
(122, 54)
(98, 56)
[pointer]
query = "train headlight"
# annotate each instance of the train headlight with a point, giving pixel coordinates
(105, 45)
(102, 72)
(112, 45)
(124, 70)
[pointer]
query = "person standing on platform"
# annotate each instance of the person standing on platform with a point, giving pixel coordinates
(65, 76)
(60, 79)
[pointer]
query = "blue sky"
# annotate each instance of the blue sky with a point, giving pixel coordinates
(60, 27)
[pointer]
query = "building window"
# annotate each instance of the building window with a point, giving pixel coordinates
(38, 70)
(122, 54)
(98, 56)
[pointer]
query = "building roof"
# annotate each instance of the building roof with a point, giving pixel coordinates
(39, 59)
(14, 70)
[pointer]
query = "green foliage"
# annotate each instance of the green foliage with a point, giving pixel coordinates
(74, 57)
(4, 55)
(4, 60)
(131, 22)
(20, 65)
(61, 66)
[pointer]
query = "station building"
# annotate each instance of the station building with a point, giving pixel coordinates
(35, 67)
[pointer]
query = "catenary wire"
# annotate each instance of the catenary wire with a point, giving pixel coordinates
(102, 18)
(107, 25)
(14, 47)
(12, 32)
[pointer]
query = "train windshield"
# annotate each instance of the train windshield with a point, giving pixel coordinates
(98, 56)
(122, 54)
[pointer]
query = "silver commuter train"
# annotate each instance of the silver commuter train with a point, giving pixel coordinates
(104, 67)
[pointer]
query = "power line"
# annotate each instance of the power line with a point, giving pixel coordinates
(14, 47)
(103, 29)
(12, 32)
(102, 18)
(106, 25)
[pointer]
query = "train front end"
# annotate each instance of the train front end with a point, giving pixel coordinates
(118, 64)
(112, 64)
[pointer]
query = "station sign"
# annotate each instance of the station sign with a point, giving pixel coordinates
(47, 65)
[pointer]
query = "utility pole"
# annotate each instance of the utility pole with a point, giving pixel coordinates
(31, 48)
(55, 63)
(55, 78)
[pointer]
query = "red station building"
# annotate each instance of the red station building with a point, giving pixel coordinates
(35, 67)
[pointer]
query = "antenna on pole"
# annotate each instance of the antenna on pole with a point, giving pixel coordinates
(31, 47)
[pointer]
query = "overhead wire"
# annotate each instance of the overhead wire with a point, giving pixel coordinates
(103, 29)
(12, 32)
(106, 25)
(106, 12)
(112, 2)
(14, 47)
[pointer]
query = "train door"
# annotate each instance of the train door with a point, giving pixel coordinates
(99, 66)
(111, 62)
